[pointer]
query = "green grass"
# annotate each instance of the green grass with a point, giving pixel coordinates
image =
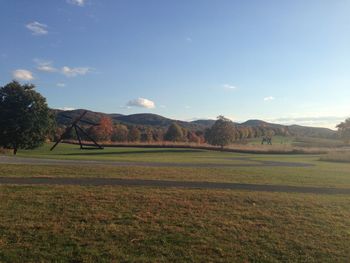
(72, 152)
(321, 174)
(276, 140)
(91, 224)
(317, 142)
(144, 224)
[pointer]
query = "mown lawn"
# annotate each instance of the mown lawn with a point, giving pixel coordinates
(104, 224)
(145, 224)
(131, 154)
(325, 174)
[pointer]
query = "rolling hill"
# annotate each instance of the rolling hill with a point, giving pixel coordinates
(157, 121)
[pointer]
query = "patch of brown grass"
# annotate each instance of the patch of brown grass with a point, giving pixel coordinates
(337, 156)
(5, 151)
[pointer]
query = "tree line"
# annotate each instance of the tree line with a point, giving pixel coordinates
(222, 130)
(26, 122)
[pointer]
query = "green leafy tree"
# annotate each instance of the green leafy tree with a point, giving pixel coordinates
(174, 133)
(222, 133)
(344, 130)
(25, 119)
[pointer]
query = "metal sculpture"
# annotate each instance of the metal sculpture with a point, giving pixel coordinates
(267, 139)
(78, 129)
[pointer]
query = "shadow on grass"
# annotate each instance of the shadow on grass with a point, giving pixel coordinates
(131, 152)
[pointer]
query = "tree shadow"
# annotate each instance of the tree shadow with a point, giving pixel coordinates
(131, 152)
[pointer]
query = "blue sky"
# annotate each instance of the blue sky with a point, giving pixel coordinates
(281, 61)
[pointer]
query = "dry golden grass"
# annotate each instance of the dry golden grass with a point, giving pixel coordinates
(337, 156)
(5, 151)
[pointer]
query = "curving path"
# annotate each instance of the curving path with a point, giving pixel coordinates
(164, 183)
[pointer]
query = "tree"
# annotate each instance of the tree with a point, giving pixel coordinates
(221, 133)
(192, 137)
(147, 135)
(344, 130)
(158, 135)
(25, 119)
(120, 133)
(200, 135)
(174, 133)
(103, 131)
(134, 135)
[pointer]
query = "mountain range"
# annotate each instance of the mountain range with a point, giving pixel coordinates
(157, 121)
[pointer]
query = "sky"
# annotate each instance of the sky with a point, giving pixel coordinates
(279, 61)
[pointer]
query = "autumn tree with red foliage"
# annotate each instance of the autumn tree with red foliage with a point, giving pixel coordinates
(103, 131)
(192, 137)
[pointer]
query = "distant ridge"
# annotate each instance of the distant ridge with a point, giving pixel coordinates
(158, 121)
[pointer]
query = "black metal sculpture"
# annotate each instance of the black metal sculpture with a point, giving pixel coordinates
(266, 139)
(78, 129)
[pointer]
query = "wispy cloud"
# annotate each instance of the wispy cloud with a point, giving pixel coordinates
(315, 121)
(189, 39)
(77, 2)
(229, 87)
(45, 66)
(142, 103)
(22, 74)
(37, 28)
(61, 85)
(72, 72)
(66, 108)
(269, 98)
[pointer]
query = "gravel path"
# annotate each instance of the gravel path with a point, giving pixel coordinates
(164, 183)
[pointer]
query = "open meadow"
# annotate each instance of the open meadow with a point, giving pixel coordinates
(174, 131)
(76, 223)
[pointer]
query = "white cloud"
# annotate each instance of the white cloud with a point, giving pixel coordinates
(141, 102)
(269, 98)
(37, 28)
(61, 85)
(229, 87)
(72, 72)
(189, 39)
(76, 2)
(22, 74)
(45, 66)
(66, 108)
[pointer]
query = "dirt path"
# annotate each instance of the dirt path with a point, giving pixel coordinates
(255, 163)
(164, 183)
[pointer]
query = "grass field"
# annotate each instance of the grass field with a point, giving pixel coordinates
(320, 174)
(148, 224)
